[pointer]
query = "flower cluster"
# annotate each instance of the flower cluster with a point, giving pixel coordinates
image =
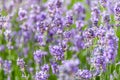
(59, 39)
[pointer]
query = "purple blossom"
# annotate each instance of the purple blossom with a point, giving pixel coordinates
(7, 66)
(45, 67)
(79, 24)
(25, 51)
(84, 74)
(38, 54)
(40, 39)
(78, 8)
(78, 42)
(57, 52)
(117, 13)
(68, 35)
(59, 33)
(22, 14)
(95, 15)
(21, 63)
(117, 9)
(69, 66)
(55, 68)
(106, 18)
(69, 18)
(42, 75)
(2, 47)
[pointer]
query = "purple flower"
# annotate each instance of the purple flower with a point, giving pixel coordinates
(95, 15)
(103, 2)
(21, 63)
(117, 9)
(7, 66)
(57, 52)
(79, 11)
(42, 75)
(88, 2)
(25, 51)
(55, 68)
(78, 42)
(38, 54)
(45, 67)
(2, 47)
(41, 17)
(69, 34)
(69, 66)
(58, 20)
(83, 74)
(78, 8)
(8, 34)
(40, 39)
(22, 14)
(106, 18)
(117, 13)
(79, 24)
(69, 18)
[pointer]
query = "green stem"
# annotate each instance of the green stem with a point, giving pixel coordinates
(44, 60)
(9, 52)
(37, 67)
(65, 55)
(25, 75)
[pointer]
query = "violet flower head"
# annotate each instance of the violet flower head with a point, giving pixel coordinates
(103, 2)
(2, 47)
(95, 15)
(25, 51)
(42, 75)
(38, 54)
(117, 14)
(22, 14)
(79, 24)
(78, 42)
(58, 20)
(79, 11)
(69, 66)
(88, 2)
(45, 68)
(8, 35)
(100, 63)
(106, 18)
(68, 35)
(40, 39)
(7, 66)
(117, 9)
(78, 8)
(112, 46)
(21, 63)
(57, 52)
(69, 18)
(55, 68)
(83, 74)
(58, 3)
(42, 16)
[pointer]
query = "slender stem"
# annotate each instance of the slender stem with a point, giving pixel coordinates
(9, 54)
(8, 77)
(37, 66)
(65, 55)
(25, 75)
(44, 60)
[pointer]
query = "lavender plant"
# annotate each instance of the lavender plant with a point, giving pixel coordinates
(59, 40)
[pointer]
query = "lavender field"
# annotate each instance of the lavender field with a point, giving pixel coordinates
(59, 40)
